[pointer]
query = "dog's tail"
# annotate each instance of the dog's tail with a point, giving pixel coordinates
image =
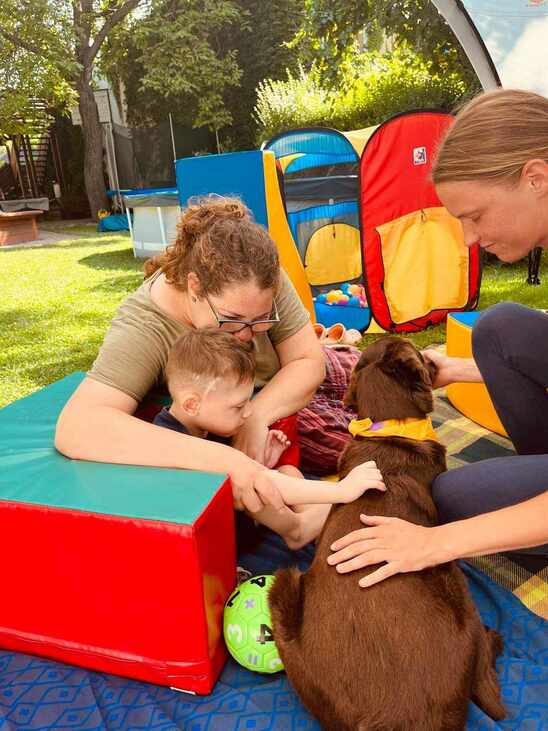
(286, 605)
(486, 689)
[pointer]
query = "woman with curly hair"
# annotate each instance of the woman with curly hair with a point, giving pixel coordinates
(222, 271)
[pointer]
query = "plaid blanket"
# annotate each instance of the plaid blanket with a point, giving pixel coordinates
(323, 424)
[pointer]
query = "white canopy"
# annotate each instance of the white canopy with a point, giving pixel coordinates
(505, 40)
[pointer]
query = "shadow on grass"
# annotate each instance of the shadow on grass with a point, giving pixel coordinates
(118, 259)
(77, 243)
(56, 318)
(118, 285)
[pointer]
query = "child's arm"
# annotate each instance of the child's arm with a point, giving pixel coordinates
(297, 491)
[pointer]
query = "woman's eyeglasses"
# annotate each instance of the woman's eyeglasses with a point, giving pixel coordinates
(236, 326)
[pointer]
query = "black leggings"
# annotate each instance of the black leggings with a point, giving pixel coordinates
(510, 345)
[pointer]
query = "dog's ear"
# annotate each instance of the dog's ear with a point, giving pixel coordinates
(403, 363)
(350, 395)
(432, 368)
(353, 389)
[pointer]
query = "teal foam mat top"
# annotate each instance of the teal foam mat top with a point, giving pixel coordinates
(32, 471)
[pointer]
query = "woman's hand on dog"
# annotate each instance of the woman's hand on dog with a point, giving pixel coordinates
(451, 370)
(442, 362)
(397, 544)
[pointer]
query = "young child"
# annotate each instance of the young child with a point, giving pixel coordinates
(210, 376)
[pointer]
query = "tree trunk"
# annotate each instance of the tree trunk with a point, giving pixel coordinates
(92, 132)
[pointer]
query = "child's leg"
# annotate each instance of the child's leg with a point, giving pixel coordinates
(297, 529)
(299, 526)
(312, 517)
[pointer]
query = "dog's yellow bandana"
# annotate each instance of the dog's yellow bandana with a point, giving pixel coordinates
(420, 429)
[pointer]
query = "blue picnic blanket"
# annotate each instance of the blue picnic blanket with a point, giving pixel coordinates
(41, 694)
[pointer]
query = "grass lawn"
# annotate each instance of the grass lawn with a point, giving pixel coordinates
(57, 302)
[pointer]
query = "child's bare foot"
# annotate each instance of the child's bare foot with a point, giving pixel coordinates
(364, 477)
(276, 444)
(310, 523)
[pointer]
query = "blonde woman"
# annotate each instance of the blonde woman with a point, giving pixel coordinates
(491, 173)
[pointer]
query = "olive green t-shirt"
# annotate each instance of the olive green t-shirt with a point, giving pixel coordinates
(134, 352)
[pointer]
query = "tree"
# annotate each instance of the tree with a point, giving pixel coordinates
(263, 52)
(62, 38)
(32, 65)
(202, 61)
(330, 31)
(174, 59)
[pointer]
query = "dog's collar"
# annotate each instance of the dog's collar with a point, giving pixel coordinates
(420, 429)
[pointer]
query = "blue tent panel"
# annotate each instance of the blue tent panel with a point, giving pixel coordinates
(317, 147)
(351, 317)
(311, 142)
(317, 160)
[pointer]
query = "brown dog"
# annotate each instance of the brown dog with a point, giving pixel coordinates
(409, 653)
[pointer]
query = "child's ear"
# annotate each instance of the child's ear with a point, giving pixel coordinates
(191, 404)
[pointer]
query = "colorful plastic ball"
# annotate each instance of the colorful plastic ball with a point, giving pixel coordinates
(363, 302)
(346, 287)
(321, 298)
(247, 626)
(354, 301)
(343, 299)
(354, 289)
(332, 296)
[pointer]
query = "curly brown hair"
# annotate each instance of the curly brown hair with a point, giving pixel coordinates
(218, 241)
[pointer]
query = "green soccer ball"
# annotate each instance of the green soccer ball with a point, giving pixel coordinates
(247, 626)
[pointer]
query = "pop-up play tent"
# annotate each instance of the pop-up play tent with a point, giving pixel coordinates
(320, 172)
(375, 219)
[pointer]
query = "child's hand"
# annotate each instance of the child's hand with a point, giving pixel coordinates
(364, 477)
(276, 444)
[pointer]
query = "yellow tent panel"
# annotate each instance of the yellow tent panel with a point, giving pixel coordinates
(333, 254)
(425, 262)
(359, 137)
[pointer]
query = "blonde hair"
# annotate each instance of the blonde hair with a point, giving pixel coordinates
(199, 357)
(492, 138)
(218, 241)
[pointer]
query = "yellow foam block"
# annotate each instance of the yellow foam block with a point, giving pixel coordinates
(471, 399)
